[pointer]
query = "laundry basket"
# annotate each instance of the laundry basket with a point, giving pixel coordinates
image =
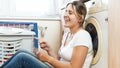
(8, 48)
(31, 26)
(13, 39)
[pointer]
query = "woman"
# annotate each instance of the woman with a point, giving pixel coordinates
(75, 51)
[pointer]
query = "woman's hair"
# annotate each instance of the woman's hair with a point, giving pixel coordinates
(83, 1)
(80, 8)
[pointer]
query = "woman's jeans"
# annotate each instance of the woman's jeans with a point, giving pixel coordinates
(24, 59)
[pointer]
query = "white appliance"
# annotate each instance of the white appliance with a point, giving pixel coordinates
(13, 39)
(97, 25)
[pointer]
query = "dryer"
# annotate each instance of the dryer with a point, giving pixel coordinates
(97, 25)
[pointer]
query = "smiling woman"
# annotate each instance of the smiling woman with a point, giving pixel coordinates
(75, 50)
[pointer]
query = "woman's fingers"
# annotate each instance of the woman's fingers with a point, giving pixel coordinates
(36, 51)
(45, 47)
(43, 44)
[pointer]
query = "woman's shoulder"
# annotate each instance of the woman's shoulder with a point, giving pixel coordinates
(83, 32)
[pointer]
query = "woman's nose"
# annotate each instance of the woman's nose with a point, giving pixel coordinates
(66, 13)
(65, 16)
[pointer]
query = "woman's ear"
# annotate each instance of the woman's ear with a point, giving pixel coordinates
(81, 18)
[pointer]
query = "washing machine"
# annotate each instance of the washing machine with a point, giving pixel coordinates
(97, 25)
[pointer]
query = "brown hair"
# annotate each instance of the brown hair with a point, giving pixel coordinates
(80, 9)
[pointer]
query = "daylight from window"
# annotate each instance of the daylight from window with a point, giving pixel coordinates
(35, 7)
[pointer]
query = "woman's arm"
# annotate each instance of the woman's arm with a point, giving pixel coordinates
(53, 54)
(79, 56)
(45, 46)
(77, 61)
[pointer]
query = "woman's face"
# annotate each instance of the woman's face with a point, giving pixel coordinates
(71, 18)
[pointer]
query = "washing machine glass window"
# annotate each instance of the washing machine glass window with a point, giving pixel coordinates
(93, 27)
(92, 30)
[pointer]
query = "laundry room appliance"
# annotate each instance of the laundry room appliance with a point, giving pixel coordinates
(97, 25)
(15, 36)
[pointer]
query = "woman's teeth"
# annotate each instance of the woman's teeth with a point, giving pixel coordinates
(66, 18)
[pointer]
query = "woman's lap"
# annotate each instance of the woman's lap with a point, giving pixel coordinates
(24, 59)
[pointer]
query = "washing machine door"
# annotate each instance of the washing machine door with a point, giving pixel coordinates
(93, 27)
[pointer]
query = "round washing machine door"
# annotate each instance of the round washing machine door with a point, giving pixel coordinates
(93, 27)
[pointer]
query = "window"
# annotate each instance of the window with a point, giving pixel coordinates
(0, 4)
(34, 8)
(30, 8)
(105, 1)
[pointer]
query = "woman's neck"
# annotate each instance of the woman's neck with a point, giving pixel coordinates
(75, 30)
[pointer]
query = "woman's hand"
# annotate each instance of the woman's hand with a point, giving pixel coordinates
(42, 55)
(44, 45)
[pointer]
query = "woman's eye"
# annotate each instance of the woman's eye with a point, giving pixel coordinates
(65, 10)
(70, 13)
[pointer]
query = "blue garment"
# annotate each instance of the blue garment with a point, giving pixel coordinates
(25, 59)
